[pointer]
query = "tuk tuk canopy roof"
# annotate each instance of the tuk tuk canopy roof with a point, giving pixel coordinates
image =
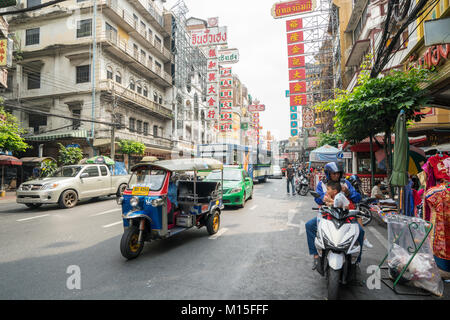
(194, 164)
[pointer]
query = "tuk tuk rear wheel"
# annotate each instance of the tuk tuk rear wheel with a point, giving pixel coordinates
(213, 223)
(129, 246)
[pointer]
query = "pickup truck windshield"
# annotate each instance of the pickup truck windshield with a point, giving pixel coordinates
(228, 175)
(153, 179)
(70, 171)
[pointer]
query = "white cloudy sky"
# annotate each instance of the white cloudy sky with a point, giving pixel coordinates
(261, 40)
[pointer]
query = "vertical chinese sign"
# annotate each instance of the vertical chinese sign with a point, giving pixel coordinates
(297, 73)
(209, 39)
(226, 100)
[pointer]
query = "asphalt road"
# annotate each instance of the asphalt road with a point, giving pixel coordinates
(260, 252)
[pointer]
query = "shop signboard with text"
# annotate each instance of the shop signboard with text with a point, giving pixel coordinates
(292, 8)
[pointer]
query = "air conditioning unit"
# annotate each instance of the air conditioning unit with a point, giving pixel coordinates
(42, 129)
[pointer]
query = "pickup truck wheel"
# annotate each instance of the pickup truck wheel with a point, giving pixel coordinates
(121, 189)
(33, 205)
(68, 199)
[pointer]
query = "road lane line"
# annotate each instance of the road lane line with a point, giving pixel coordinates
(254, 207)
(35, 217)
(105, 212)
(378, 236)
(112, 224)
(218, 234)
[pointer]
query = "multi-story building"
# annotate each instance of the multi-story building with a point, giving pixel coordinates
(189, 91)
(4, 58)
(436, 124)
(93, 60)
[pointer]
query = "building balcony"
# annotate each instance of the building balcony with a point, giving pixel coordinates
(132, 27)
(120, 48)
(135, 98)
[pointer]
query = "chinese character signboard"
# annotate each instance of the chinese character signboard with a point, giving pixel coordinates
(297, 87)
(225, 72)
(295, 37)
(298, 99)
(296, 62)
(297, 74)
(293, 25)
(226, 82)
(296, 49)
(292, 8)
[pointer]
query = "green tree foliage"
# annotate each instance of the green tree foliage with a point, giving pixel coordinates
(69, 156)
(331, 139)
(48, 168)
(372, 107)
(10, 133)
(131, 147)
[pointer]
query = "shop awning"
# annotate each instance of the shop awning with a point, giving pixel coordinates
(36, 159)
(9, 160)
(440, 147)
(325, 153)
(59, 135)
(364, 146)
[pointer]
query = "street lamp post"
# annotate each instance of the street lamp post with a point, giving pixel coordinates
(113, 127)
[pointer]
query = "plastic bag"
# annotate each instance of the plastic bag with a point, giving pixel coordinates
(405, 235)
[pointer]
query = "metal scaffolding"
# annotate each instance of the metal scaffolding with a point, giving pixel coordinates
(322, 53)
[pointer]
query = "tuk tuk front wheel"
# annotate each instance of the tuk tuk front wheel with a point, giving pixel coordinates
(213, 223)
(129, 246)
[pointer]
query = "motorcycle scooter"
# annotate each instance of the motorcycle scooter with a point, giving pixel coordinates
(302, 185)
(337, 245)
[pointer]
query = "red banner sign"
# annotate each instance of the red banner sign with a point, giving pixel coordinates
(298, 100)
(296, 62)
(290, 8)
(296, 49)
(297, 74)
(297, 87)
(295, 37)
(292, 25)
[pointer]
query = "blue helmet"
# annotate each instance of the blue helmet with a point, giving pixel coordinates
(332, 167)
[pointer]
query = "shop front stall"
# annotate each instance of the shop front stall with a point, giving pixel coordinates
(10, 168)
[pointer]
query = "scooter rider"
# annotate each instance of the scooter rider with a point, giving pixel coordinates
(332, 173)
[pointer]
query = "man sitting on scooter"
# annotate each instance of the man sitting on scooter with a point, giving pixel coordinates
(332, 173)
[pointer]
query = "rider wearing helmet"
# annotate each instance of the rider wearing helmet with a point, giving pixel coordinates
(333, 172)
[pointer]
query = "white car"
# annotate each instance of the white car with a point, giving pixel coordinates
(276, 172)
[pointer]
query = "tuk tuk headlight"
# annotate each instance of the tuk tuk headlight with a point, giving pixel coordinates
(120, 200)
(134, 201)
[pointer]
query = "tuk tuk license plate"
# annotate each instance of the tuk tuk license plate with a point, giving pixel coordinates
(140, 191)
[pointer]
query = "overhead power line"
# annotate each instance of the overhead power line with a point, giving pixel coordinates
(32, 8)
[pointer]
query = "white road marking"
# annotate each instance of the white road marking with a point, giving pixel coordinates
(218, 234)
(254, 207)
(112, 224)
(105, 212)
(44, 215)
(378, 236)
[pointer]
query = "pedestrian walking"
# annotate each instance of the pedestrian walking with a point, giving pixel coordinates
(290, 174)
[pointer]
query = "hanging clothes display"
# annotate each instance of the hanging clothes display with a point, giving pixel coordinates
(438, 200)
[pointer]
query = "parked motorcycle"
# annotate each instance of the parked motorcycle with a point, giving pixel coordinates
(302, 185)
(337, 244)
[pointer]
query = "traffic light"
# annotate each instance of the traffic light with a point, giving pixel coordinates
(7, 3)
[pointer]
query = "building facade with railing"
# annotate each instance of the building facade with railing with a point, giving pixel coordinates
(109, 63)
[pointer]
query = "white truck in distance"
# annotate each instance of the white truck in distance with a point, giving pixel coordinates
(69, 184)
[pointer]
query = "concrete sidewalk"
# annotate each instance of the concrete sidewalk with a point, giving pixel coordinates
(10, 197)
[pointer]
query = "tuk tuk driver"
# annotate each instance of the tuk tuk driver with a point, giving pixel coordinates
(172, 194)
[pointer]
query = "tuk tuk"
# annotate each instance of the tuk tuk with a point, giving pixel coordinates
(164, 198)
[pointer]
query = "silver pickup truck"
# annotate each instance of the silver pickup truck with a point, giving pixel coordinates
(70, 184)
